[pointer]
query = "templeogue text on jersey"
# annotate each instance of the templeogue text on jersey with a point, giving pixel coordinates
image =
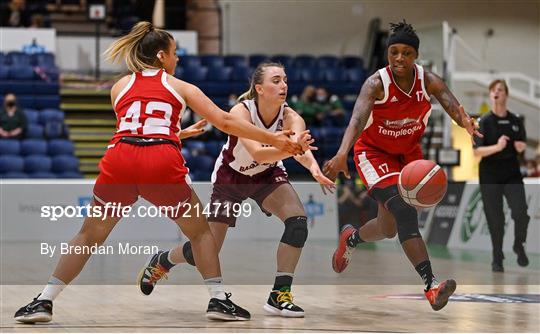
(121, 248)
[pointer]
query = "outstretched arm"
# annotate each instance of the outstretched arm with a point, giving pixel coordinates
(230, 123)
(370, 92)
(435, 86)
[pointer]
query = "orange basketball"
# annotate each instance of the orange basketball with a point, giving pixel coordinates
(422, 183)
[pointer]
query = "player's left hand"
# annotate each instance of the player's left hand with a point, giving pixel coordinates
(520, 146)
(334, 166)
(193, 130)
(470, 124)
(326, 183)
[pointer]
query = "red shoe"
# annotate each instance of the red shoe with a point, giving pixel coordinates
(438, 296)
(343, 253)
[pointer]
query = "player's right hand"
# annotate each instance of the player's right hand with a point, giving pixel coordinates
(334, 166)
(305, 140)
(282, 142)
(503, 140)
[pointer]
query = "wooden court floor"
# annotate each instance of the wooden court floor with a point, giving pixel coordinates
(351, 302)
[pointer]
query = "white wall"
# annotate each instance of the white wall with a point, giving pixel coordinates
(340, 27)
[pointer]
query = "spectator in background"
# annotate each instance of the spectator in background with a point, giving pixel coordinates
(329, 108)
(503, 142)
(37, 21)
(305, 106)
(13, 121)
(15, 14)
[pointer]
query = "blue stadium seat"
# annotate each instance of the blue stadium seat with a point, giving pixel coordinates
(46, 101)
(3, 59)
(311, 75)
(201, 163)
(352, 62)
(332, 134)
(213, 148)
(194, 145)
(37, 163)
(42, 175)
(242, 74)
(284, 60)
(256, 59)
(26, 101)
(212, 61)
(50, 115)
(178, 72)
(14, 175)
(235, 61)
(328, 62)
(194, 74)
(10, 147)
(4, 72)
(45, 60)
(16, 58)
(34, 131)
(304, 61)
(61, 147)
(294, 74)
(20, 87)
(53, 73)
(33, 146)
(190, 61)
(70, 175)
(356, 75)
(45, 88)
(54, 129)
(11, 163)
(334, 75)
(200, 175)
(21, 72)
(219, 74)
(65, 163)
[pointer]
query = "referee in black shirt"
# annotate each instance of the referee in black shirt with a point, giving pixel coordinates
(504, 138)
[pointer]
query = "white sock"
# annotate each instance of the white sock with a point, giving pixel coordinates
(215, 288)
(52, 289)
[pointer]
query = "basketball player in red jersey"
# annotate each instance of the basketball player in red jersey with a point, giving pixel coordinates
(144, 159)
(389, 118)
(248, 169)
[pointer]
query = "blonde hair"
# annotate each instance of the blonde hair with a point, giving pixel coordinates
(257, 79)
(139, 48)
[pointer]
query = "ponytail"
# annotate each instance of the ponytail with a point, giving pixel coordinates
(139, 48)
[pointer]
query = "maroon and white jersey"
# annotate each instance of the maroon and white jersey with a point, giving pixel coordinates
(148, 107)
(236, 156)
(398, 121)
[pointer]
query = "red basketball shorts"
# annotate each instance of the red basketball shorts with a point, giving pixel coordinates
(157, 173)
(379, 169)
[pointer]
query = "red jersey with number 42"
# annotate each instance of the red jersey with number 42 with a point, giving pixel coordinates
(148, 107)
(398, 121)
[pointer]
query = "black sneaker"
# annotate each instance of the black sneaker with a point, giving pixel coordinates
(226, 310)
(36, 311)
(522, 258)
(151, 274)
(280, 302)
(497, 267)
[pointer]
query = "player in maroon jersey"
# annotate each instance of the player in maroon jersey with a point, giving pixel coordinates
(144, 159)
(389, 118)
(249, 169)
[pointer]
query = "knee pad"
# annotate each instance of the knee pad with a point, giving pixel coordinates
(296, 231)
(188, 254)
(406, 218)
